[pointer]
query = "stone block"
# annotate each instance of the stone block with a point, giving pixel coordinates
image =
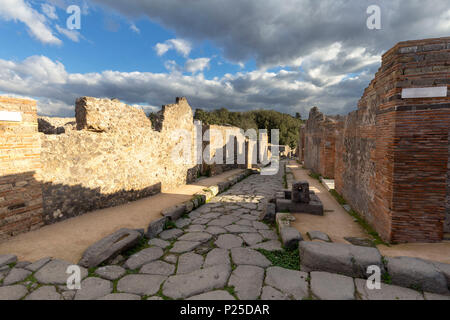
(339, 258)
(290, 237)
(109, 247)
(156, 227)
(417, 273)
(175, 212)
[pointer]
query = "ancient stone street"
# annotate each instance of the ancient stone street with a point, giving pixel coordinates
(211, 253)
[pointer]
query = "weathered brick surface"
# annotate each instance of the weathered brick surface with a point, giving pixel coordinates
(319, 137)
(20, 191)
(392, 154)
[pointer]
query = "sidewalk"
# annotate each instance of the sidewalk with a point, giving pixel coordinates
(67, 240)
(337, 223)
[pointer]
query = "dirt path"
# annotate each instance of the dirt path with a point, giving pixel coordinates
(68, 239)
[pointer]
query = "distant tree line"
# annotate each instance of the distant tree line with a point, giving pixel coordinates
(256, 119)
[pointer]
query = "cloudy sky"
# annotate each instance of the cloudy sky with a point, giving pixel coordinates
(287, 55)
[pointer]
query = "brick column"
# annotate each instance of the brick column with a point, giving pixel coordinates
(20, 189)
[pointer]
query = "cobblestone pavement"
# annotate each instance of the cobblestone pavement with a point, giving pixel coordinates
(209, 254)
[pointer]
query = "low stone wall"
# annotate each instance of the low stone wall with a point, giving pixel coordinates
(114, 157)
(391, 155)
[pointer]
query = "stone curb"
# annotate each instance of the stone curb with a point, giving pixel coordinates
(290, 236)
(352, 261)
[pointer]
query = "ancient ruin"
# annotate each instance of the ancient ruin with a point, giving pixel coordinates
(390, 158)
(108, 155)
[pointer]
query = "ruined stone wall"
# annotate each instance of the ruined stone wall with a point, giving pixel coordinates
(319, 135)
(392, 154)
(225, 143)
(114, 157)
(301, 144)
(20, 191)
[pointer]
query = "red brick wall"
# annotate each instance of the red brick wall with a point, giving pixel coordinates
(20, 191)
(319, 140)
(392, 154)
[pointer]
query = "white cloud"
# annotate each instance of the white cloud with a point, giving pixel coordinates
(18, 10)
(183, 47)
(196, 65)
(134, 28)
(71, 34)
(49, 11)
(284, 90)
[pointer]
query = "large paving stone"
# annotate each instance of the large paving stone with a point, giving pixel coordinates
(215, 230)
(156, 227)
(189, 262)
(158, 267)
(318, 235)
(200, 281)
(418, 273)
(260, 226)
(15, 292)
(35, 266)
(234, 228)
(120, 296)
(159, 243)
(445, 269)
(22, 264)
(228, 241)
(339, 258)
(140, 284)
(213, 295)
(248, 256)
(216, 257)
(181, 223)
(386, 292)
(93, 288)
(245, 222)
(220, 223)
(268, 234)
(54, 272)
(196, 237)
(171, 234)
(271, 245)
(247, 282)
(16, 275)
(434, 296)
(270, 293)
(110, 272)
(196, 228)
(290, 237)
(184, 246)
(251, 238)
(6, 259)
(109, 247)
(291, 282)
(331, 286)
(142, 257)
(44, 293)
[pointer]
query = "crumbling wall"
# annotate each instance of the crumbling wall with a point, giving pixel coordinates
(319, 135)
(20, 192)
(114, 157)
(224, 144)
(392, 153)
